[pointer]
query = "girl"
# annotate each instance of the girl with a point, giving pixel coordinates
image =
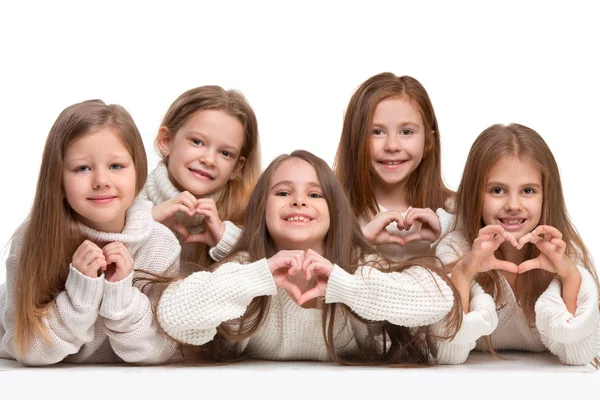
(303, 284)
(389, 161)
(516, 258)
(69, 293)
(208, 142)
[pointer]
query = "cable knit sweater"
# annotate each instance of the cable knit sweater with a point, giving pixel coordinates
(190, 310)
(575, 339)
(93, 320)
(395, 252)
(159, 189)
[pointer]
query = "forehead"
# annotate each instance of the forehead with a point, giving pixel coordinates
(294, 170)
(98, 141)
(512, 169)
(217, 124)
(398, 107)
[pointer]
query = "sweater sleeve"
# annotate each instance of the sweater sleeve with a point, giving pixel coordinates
(413, 297)
(480, 321)
(228, 240)
(69, 321)
(575, 339)
(190, 310)
(134, 333)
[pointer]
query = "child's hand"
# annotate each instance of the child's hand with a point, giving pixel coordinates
(165, 212)
(430, 225)
(89, 259)
(120, 262)
(376, 233)
(213, 227)
(552, 252)
(283, 265)
(481, 258)
(322, 268)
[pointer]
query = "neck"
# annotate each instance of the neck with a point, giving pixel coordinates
(392, 197)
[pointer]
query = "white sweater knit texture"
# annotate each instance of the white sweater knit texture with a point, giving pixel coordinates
(93, 320)
(575, 339)
(190, 310)
(159, 189)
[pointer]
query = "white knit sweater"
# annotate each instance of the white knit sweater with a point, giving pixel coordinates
(159, 189)
(191, 310)
(93, 320)
(575, 339)
(396, 252)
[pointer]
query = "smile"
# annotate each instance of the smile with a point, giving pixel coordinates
(102, 199)
(298, 218)
(391, 162)
(201, 174)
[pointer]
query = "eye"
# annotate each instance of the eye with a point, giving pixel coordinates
(497, 190)
(82, 168)
(282, 193)
(116, 166)
(378, 132)
(197, 142)
(406, 131)
(226, 153)
(529, 191)
(315, 196)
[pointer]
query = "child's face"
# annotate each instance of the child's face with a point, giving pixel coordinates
(99, 180)
(397, 141)
(513, 196)
(297, 215)
(205, 152)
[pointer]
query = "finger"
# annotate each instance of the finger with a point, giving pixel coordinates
(206, 203)
(179, 228)
(188, 199)
(547, 230)
(196, 238)
(529, 265)
(309, 295)
(491, 229)
(506, 266)
(510, 238)
(291, 288)
(393, 239)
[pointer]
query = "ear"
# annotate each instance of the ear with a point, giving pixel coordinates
(240, 164)
(164, 141)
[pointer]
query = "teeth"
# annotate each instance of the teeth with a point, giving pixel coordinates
(512, 221)
(392, 162)
(298, 218)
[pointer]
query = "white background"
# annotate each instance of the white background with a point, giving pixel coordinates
(298, 63)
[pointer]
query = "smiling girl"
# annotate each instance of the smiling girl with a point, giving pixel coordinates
(208, 142)
(303, 284)
(517, 261)
(389, 162)
(70, 292)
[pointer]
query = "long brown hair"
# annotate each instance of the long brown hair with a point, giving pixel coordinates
(344, 246)
(50, 233)
(353, 164)
(232, 102)
(519, 141)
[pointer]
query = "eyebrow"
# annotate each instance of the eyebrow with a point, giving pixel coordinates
(402, 123)
(492, 183)
(291, 183)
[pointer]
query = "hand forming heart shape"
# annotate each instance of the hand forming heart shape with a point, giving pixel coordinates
(185, 202)
(418, 224)
(285, 266)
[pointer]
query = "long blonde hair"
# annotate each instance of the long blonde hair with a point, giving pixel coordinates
(50, 235)
(344, 246)
(352, 161)
(519, 141)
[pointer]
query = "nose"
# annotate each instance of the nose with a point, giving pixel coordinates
(392, 143)
(298, 200)
(100, 179)
(513, 203)
(208, 159)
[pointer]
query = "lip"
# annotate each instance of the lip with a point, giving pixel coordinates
(512, 224)
(397, 164)
(102, 199)
(201, 174)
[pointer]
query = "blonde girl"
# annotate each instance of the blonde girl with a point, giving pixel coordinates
(208, 142)
(303, 284)
(516, 259)
(69, 292)
(389, 162)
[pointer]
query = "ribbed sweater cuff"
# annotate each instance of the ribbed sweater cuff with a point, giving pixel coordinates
(228, 240)
(555, 321)
(84, 291)
(341, 287)
(258, 279)
(117, 297)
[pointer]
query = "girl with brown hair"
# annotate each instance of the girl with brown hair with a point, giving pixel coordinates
(389, 162)
(69, 292)
(302, 283)
(516, 256)
(209, 145)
